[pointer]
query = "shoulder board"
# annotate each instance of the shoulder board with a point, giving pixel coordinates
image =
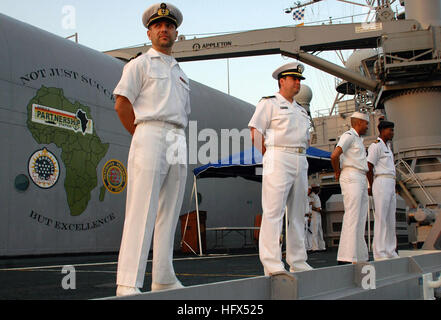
(136, 56)
(268, 97)
(377, 141)
(347, 132)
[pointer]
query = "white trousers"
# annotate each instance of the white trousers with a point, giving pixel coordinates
(284, 184)
(352, 245)
(155, 190)
(385, 200)
(317, 241)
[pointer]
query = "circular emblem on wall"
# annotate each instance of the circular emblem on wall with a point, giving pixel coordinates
(44, 169)
(114, 176)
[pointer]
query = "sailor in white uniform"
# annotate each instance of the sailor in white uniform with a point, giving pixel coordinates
(280, 129)
(382, 167)
(353, 182)
(153, 104)
(308, 221)
(308, 232)
(318, 243)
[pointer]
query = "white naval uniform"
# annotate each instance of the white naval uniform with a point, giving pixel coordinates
(353, 182)
(308, 234)
(381, 157)
(317, 242)
(159, 92)
(308, 226)
(285, 127)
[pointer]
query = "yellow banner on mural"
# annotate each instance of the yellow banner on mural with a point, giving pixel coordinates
(76, 122)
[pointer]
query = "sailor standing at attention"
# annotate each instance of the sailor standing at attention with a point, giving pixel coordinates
(318, 243)
(308, 222)
(353, 182)
(381, 165)
(153, 104)
(280, 130)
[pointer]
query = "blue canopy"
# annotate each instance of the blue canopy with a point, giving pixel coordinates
(244, 164)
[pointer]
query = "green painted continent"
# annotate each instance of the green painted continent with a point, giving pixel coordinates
(80, 152)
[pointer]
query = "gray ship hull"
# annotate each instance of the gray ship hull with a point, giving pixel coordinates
(64, 172)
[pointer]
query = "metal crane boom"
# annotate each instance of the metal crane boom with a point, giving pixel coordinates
(293, 42)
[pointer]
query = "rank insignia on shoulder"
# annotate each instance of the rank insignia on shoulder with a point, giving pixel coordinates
(268, 97)
(347, 132)
(283, 108)
(134, 57)
(182, 79)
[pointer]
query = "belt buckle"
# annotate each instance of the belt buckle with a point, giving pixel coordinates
(301, 150)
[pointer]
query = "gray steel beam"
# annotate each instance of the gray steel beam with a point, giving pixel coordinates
(393, 279)
(258, 288)
(289, 41)
(337, 71)
(276, 40)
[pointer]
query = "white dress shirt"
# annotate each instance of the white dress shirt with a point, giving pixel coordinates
(354, 152)
(157, 88)
(282, 123)
(381, 157)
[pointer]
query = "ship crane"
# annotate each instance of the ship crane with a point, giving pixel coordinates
(302, 42)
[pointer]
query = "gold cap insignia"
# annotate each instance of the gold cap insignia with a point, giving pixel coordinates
(163, 11)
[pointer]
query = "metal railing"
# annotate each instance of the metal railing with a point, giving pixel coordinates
(412, 176)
